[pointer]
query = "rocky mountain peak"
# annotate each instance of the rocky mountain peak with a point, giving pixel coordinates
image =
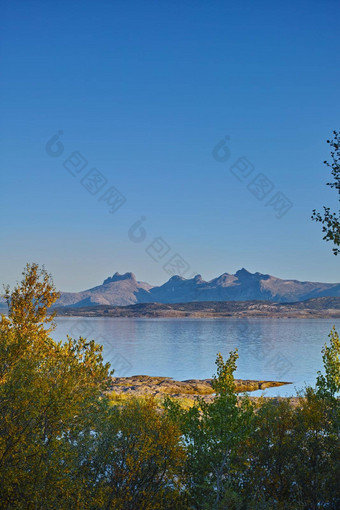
(243, 273)
(117, 277)
(176, 278)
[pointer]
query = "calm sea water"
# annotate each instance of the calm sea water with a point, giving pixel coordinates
(269, 349)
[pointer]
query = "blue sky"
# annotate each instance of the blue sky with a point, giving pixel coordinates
(144, 91)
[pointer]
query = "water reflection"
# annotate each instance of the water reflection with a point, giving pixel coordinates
(269, 349)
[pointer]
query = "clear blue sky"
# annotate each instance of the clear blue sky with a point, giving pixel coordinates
(144, 90)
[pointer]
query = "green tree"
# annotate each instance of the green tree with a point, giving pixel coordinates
(269, 477)
(331, 220)
(328, 384)
(316, 456)
(49, 393)
(212, 433)
(137, 459)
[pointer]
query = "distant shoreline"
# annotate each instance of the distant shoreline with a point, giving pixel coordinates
(326, 308)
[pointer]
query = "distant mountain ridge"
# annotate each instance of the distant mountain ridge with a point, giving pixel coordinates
(124, 290)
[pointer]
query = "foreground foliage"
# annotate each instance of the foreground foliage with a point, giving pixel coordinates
(330, 220)
(64, 444)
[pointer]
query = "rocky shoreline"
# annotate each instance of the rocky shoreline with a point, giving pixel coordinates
(159, 387)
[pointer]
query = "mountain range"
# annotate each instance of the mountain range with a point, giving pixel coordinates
(124, 289)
